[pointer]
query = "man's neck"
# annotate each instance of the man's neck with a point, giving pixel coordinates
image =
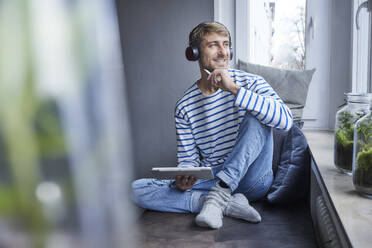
(204, 85)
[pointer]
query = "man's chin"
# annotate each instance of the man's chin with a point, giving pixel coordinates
(219, 67)
(215, 66)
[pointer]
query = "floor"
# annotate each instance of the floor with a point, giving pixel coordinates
(282, 226)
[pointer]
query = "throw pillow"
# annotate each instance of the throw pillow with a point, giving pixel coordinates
(292, 174)
(291, 86)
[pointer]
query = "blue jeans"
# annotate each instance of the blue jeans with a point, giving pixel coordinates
(247, 170)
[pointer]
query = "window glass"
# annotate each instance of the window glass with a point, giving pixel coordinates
(277, 33)
(288, 39)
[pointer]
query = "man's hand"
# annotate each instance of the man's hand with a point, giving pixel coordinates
(220, 78)
(185, 182)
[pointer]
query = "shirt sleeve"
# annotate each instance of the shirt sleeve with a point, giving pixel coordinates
(262, 101)
(187, 152)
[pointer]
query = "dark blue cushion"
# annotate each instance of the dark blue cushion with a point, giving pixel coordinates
(291, 166)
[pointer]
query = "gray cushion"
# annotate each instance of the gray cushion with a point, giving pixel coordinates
(290, 85)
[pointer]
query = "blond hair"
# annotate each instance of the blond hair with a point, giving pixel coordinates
(197, 34)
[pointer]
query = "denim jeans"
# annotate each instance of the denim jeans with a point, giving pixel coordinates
(247, 170)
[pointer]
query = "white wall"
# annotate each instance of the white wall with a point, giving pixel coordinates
(316, 112)
(328, 49)
(340, 56)
(360, 49)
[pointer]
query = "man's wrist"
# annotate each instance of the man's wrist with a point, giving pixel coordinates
(234, 90)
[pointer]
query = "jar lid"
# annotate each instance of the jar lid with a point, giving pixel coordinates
(359, 97)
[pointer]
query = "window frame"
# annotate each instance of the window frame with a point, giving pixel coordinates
(361, 51)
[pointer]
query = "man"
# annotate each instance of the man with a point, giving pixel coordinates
(223, 121)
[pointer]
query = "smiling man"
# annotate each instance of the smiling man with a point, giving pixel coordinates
(223, 121)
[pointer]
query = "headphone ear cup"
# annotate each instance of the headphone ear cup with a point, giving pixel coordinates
(192, 53)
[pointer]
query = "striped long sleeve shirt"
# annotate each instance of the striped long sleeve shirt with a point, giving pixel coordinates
(207, 126)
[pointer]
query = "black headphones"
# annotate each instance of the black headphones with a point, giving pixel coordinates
(192, 52)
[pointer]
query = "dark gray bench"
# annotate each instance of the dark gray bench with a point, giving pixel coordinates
(282, 226)
(286, 221)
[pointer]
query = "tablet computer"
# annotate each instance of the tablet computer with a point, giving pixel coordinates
(172, 172)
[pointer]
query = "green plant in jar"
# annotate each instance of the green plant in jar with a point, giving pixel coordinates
(345, 139)
(362, 174)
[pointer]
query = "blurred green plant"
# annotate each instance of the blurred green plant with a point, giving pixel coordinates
(48, 130)
(29, 129)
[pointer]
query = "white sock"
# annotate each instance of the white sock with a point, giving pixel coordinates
(214, 205)
(238, 207)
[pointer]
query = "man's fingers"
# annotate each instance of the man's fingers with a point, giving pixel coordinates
(193, 180)
(184, 180)
(179, 183)
(216, 81)
(189, 181)
(218, 76)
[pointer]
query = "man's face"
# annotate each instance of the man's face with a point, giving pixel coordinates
(215, 51)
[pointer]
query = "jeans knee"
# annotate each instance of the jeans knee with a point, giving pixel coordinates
(139, 183)
(137, 189)
(251, 125)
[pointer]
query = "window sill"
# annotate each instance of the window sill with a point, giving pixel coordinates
(354, 212)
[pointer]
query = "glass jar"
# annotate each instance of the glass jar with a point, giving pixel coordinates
(357, 107)
(362, 155)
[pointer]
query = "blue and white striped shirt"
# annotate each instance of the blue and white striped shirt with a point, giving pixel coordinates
(207, 126)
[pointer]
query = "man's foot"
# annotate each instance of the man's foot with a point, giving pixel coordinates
(214, 205)
(238, 207)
